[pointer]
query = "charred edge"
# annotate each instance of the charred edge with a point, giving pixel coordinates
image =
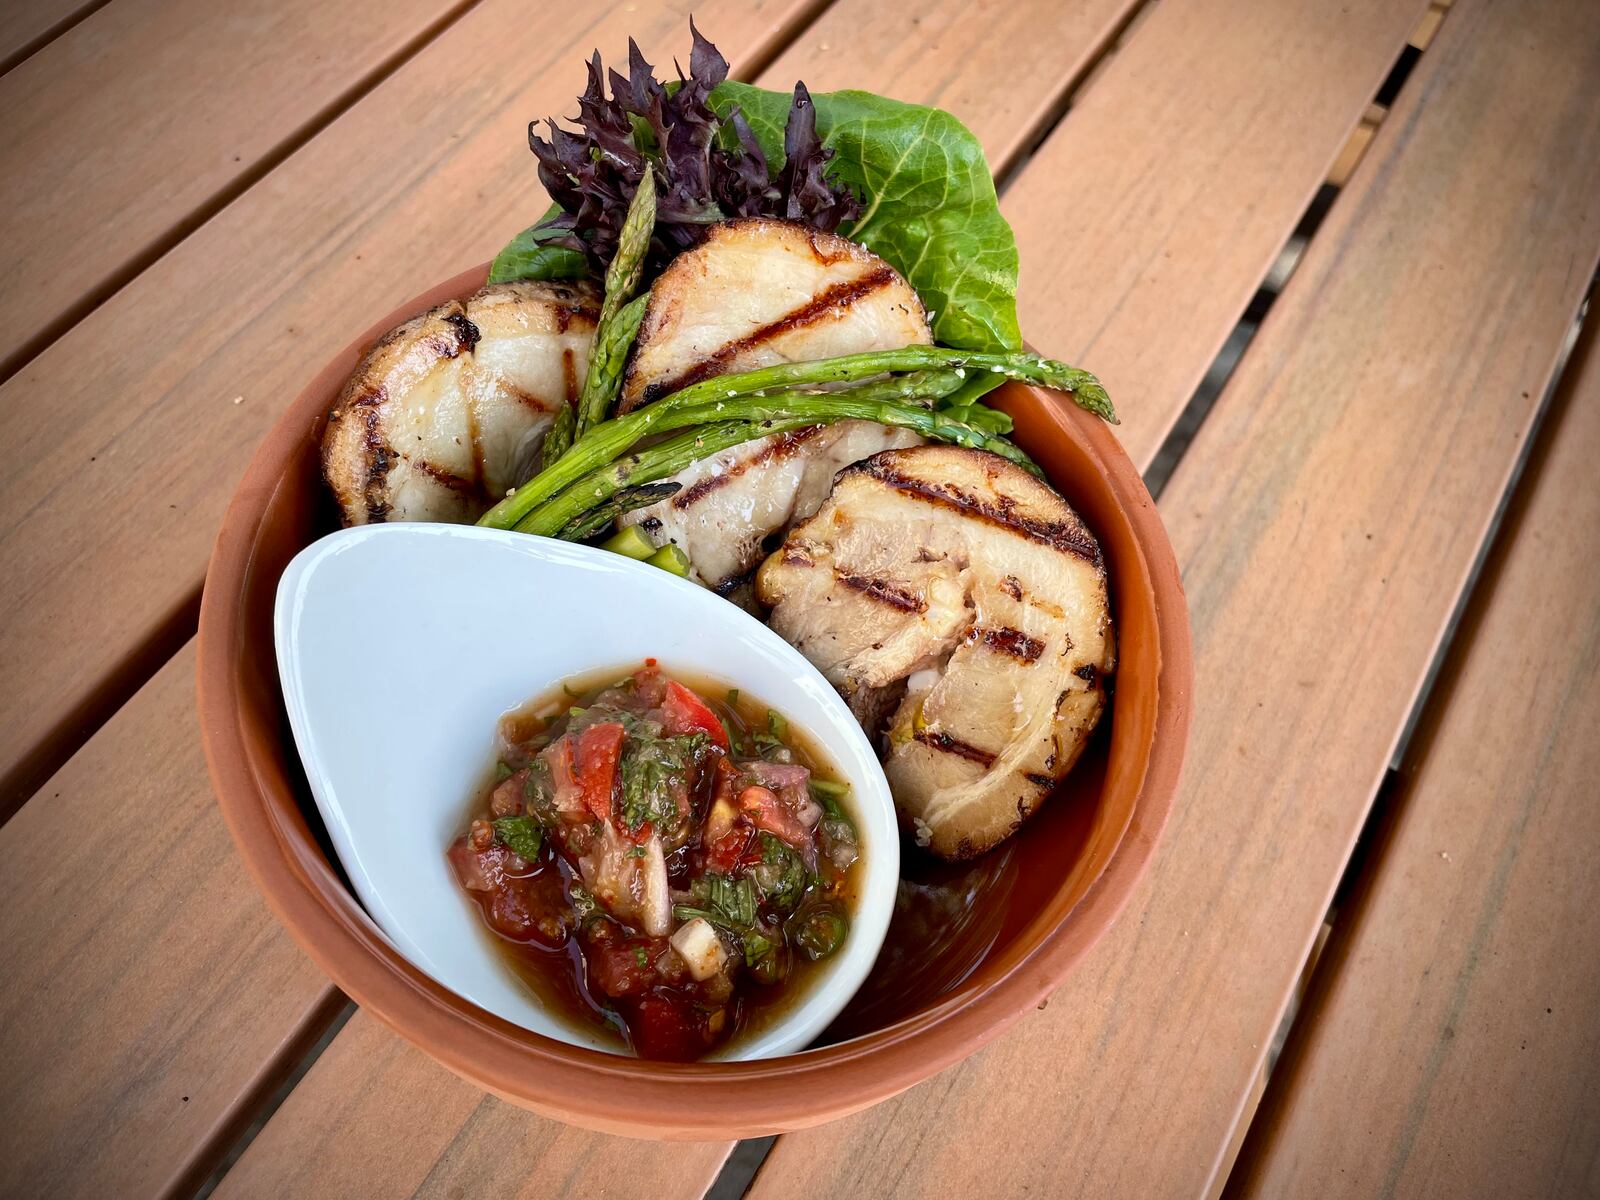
(838, 296)
(954, 745)
(1043, 782)
(1088, 673)
(797, 558)
(1009, 641)
(380, 459)
(780, 448)
(467, 335)
(882, 591)
(726, 587)
(449, 479)
(1012, 586)
(1068, 538)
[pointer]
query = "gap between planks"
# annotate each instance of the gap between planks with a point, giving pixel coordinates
(1410, 748)
(1328, 955)
(125, 677)
(27, 49)
(138, 262)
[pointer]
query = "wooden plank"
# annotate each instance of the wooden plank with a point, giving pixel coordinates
(120, 130)
(1148, 219)
(1327, 515)
(377, 1117)
(1452, 1049)
(27, 25)
(1001, 67)
(149, 994)
(154, 403)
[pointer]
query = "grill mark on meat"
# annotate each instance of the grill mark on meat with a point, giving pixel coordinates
(1088, 673)
(954, 745)
(726, 587)
(528, 399)
(882, 591)
(475, 444)
(1058, 535)
(569, 371)
(449, 479)
(793, 557)
(380, 459)
(1008, 641)
(1042, 782)
(778, 449)
(1012, 586)
(840, 295)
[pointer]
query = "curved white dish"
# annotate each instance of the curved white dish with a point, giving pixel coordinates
(400, 646)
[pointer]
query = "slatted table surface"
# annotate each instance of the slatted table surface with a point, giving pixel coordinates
(1334, 264)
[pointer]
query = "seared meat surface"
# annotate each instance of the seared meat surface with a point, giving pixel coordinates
(758, 292)
(448, 411)
(731, 501)
(959, 577)
(754, 293)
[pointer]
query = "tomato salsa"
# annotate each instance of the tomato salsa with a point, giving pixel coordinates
(659, 861)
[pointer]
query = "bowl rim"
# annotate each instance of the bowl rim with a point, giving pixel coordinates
(591, 1088)
(807, 1014)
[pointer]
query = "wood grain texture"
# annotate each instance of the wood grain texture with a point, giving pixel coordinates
(1453, 1050)
(123, 127)
(1148, 219)
(26, 25)
(1326, 515)
(149, 995)
(376, 1117)
(129, 434)
(1001, 66)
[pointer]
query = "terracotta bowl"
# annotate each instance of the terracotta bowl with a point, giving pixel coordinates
(973, 949)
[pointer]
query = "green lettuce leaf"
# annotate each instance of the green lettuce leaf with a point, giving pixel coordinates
(931, 209)
(529, 256)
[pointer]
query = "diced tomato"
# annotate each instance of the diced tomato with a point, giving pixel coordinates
(669, 1029)
(765, 811)
(595, 766)
(478, 870)
(724, 854)
(624, 966)
(684, 712)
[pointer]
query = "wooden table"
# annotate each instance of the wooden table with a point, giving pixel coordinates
(1332, 261)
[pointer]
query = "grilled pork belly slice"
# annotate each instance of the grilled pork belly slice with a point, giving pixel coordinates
(754, 293)
(730, 502)
(448, 411)
(757, 292)
(960, 577)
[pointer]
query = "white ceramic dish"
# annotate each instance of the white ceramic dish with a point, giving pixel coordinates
(399, 648)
